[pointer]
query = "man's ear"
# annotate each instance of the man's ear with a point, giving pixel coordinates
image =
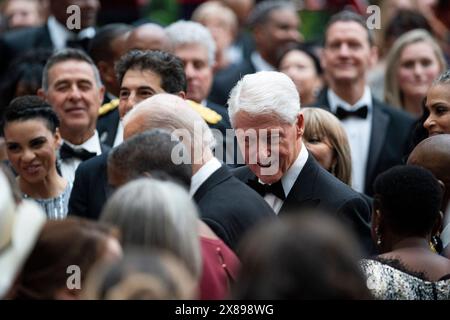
(41, 94)
(181, 94)
(300, 125)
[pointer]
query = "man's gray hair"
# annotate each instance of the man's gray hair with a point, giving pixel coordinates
(265, 92)
(69, 54)
(189, 32)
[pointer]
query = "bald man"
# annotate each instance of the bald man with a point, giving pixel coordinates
(434, 154)
(148, 36)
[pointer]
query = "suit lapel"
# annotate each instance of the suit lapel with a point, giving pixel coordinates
(302, 192)
(380, 122)
(217, 177)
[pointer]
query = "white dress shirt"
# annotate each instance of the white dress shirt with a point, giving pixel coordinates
(68, 166)
(358, 132)
(288, 180)
(59, 34)
(203, 174)
(259, 63)
(119, 134)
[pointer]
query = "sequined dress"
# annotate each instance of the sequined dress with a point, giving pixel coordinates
(57, 207)
(389, 280)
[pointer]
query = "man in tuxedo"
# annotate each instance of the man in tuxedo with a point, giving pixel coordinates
(227, 206)
(106, 48)
(55, 34)
(274, 26)
(71, 85)
(264, 110)
(378, 134)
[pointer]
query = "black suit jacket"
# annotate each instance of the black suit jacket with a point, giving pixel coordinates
(107, 125)
(90, 188)
(389, 139)
(18, 42)
(229, 207)
(317, 188)
(226, 79)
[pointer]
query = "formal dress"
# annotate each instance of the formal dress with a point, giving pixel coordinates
(52, 35)
(90, 189)
(315, 188)
(227, 206)
(390, 280)
(226, 79)
(68, 165)
(56, 208)
(219, 271)
(389, 138)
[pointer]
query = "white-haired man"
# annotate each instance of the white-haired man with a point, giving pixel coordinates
(227, 206)
(195, 46)
(264, 110)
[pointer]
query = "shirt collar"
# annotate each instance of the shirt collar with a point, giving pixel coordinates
(293, 172)
(259, 63)
(91, 145)
(335, 100)
(59, 34)
(203, 174)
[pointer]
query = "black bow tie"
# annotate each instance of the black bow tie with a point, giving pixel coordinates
(67, 152)
(361, 112)
(274, 188)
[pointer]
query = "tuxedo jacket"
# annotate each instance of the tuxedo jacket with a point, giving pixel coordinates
(226, 79)
(107, 125)
(90, 188)
(18, 42)
(389, 139)
(229, 207)
(316, 188)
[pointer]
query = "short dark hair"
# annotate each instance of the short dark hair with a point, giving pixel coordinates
(100, 46)
(67, 55)
(349, 16)
(31, 107)
(260, 14)
(169, 67)
(409, 198)
(150, 152)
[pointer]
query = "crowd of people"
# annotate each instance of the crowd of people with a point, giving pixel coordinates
(225, 155)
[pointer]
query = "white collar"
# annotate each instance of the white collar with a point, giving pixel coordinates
(203, 174)
(92, 144)
(259, 63)
(335, 100)
(59, 34)
(293, 172)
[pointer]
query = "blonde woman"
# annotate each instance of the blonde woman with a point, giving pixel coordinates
(413, 63)
(327, 140)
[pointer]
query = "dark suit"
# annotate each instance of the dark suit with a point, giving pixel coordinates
(90, 188)
(229, 207)
(18, 42)
(389, 139)
(107, 125)
(226, 79)
(317, 188)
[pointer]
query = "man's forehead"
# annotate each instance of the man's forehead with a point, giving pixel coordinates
(69, 68)
(346, 28)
